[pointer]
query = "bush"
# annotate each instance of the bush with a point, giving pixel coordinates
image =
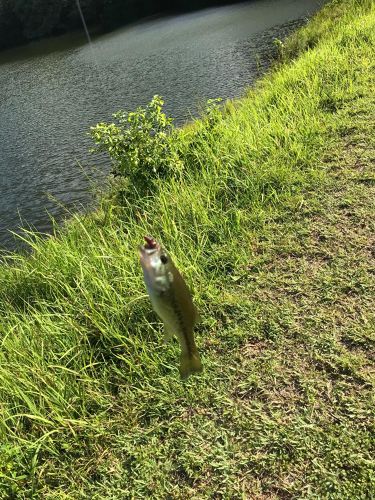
(142, 146)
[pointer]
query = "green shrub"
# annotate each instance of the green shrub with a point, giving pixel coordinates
(142, 147)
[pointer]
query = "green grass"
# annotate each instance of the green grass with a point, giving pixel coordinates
(272, 223)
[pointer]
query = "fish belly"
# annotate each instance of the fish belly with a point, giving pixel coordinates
(167, 314)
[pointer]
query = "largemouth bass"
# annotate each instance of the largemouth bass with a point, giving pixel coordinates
(172, 302)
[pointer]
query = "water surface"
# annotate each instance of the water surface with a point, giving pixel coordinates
(52, 91)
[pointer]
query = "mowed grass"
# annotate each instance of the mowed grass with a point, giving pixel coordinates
(272, 224)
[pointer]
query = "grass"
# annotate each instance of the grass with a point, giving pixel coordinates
(273, 226)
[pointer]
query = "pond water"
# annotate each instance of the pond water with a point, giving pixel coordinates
(52, 91)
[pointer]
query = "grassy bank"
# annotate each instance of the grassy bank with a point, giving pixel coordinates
(272, 223)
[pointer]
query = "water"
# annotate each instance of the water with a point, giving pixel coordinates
(52, 91)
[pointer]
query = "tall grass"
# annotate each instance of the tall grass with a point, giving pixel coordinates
(82, 363)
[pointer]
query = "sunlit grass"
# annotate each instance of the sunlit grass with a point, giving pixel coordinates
(90, 398)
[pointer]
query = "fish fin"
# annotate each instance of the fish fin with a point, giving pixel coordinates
(190, 363)
(168, 333)
(198, 317)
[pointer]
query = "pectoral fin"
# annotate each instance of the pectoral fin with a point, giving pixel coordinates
(198, 317)
(168, 332)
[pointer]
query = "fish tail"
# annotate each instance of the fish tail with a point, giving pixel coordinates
(190, 363)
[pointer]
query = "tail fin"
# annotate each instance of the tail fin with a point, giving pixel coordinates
(190, 363)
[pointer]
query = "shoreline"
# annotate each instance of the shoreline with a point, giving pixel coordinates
(98, 30)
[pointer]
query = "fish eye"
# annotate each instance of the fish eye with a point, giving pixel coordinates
(164, 259)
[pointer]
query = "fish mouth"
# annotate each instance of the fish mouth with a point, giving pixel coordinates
(149, 248)
(151, 243)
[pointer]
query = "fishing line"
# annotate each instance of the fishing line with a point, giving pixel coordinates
(101, 89)
(95, 60)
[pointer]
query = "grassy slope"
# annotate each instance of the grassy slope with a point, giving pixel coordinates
(273, 225)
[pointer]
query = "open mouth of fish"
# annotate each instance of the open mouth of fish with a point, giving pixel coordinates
(151, 243)
(150, 247)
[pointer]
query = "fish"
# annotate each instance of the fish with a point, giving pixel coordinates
(172, 301)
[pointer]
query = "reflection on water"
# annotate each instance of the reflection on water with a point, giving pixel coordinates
(52, 91)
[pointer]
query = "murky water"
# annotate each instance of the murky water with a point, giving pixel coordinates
(52, 91)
